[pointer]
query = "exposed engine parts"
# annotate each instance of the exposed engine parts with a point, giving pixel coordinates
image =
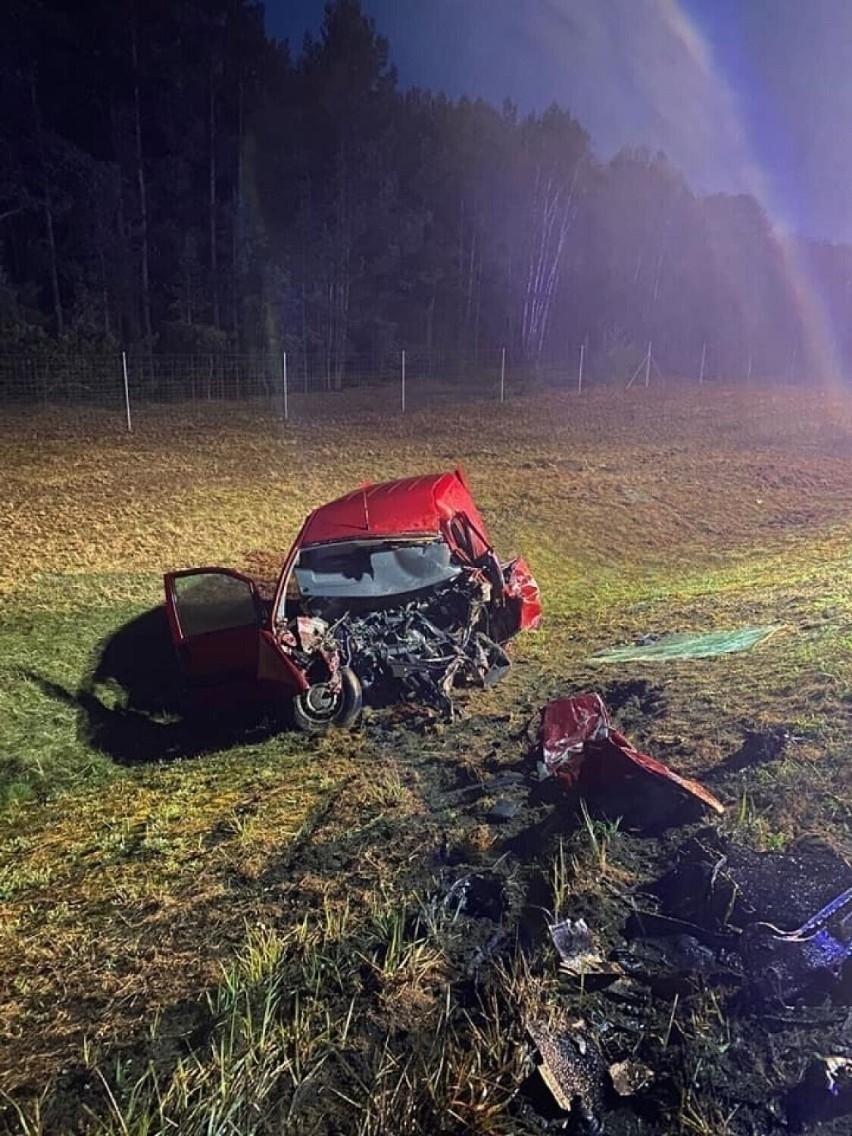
(423, 648)
(415, 651)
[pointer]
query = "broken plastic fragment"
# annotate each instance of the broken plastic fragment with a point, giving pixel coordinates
(571, 1068)
(580, 747)
(838, 1074)
(629, 1077)
(502, 811)
(575, 946)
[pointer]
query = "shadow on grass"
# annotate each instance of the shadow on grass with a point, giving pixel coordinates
(132, 706)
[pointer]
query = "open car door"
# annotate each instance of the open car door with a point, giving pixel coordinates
(215, 617)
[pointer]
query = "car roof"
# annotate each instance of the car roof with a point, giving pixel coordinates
(408, 506)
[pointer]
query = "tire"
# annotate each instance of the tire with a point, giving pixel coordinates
(316, 708)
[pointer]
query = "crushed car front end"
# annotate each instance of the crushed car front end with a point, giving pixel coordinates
(410, 591)
(393, 591)
(408, 618)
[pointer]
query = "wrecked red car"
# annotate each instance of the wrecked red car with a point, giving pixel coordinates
(392, 591)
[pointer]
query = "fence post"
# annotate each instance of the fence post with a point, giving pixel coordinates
(703, 361)
(748, 372)
(503, 375)
(402, 388)
(39, 384)
(126, 392)
(648, 366)
(284, 384)
(580, 372)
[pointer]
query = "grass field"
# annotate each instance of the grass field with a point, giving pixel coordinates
(247, 931)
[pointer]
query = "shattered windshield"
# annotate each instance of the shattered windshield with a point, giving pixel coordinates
(372, 569)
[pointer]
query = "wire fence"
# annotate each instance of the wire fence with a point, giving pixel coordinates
(292, 385)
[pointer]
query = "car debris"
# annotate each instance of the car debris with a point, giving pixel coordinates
(651, 648)
(571, 1067)
(508, 780)
(784, 963)
(392, 591)
(730, 892)
(722, 886)
(825, 1093)
(575, 945)
(502, 810)
(630, 1077)
(671, 966)
(586, 753)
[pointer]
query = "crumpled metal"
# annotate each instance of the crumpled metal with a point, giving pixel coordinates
(422, 648)
(580, 746)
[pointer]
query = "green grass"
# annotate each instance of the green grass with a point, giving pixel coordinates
(253, 933)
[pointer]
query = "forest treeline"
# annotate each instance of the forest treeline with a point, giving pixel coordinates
(172, 179)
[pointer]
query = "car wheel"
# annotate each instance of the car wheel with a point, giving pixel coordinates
(319, 706)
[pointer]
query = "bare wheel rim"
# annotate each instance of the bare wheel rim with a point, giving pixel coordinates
(320, 701)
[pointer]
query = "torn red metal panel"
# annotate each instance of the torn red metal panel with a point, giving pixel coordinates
(581, 748)
(522, 591)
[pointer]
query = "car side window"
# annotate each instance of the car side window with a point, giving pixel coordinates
(212, 601)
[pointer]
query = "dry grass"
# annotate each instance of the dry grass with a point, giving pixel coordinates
(638, 479)
(115, 900)
(125, 890)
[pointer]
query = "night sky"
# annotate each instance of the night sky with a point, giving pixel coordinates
(742, 95)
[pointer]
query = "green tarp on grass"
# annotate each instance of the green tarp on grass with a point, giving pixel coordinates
(686, 646)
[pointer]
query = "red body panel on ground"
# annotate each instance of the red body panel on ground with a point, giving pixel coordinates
(580, 746)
